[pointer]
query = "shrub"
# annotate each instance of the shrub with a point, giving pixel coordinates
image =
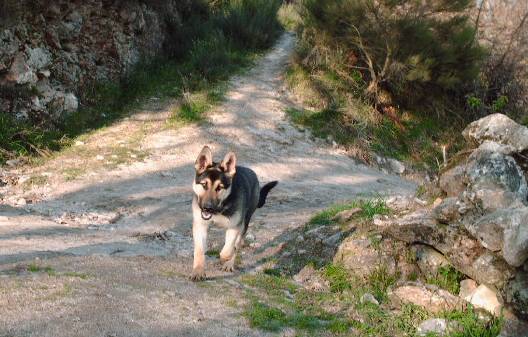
(399, 47)
(251, 24)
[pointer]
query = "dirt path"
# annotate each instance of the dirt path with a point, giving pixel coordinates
(111, 217)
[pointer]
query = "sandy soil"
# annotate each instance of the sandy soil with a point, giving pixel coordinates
(111, 217)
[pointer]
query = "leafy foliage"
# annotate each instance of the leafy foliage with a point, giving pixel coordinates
(400, 46)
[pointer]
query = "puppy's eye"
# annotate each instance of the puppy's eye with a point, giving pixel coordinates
(204, 185)
(219, 187)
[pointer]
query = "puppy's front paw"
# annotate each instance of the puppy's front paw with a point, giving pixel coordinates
(228, 266)
(197, 275)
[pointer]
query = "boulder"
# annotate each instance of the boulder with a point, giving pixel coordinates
(513, 327)
(431, 298)
(463, 251)
(429, 259)
(498, 128)
(452, 181)
(448, 211)
(485, 298)
(495, 179)
(38, 58)
(361, 258)
(517, 292)
(20, 72)
(504, 230)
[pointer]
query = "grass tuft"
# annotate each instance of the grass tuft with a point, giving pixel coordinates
(369, 207)
(448, 278)
(338, 277)
(379, 282)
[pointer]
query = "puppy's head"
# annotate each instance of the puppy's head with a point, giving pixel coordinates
(212, 183)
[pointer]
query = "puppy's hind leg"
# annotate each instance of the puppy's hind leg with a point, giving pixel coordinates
(228, 253)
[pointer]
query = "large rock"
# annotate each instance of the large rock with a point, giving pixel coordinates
(360, 257)
(429, 260)
(20, 72)
(505, 230)
(463, 251)
(495, 179)
(452, 180)
(449, 210)
(38, 58)
(485, 298)
(517, 292)
(498, 128)
(433, 299)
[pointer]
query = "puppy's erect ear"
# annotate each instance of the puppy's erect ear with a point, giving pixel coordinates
(229, 164)
(204, 160)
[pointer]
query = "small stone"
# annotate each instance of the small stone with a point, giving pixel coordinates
(45, 73)
(21, 202)
(420, 201)
(99, 157)
(368, 298)
(79, 143)
(437, 202)
(13, 162)
(436, 326)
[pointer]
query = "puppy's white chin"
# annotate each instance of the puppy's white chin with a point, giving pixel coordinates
(206, 215)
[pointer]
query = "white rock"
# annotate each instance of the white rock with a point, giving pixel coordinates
(71, 103)
(436, 326)
(368, 298)
(485, 298)
(38, 58)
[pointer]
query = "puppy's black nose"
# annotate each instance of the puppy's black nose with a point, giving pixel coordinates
(209, 210)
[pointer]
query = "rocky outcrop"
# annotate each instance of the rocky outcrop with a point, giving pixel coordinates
(497, 128)
(481, 226)
(52, 53)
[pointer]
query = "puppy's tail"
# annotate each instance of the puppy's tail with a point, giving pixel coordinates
(264, 190)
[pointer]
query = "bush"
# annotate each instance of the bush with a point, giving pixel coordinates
(251, 24)
(397, 47)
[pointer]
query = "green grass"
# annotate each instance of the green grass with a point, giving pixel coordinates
(472, 326)
(379, 282)
(213, 253)
(447, 278)
(35, 268)
(369, 208)
(338, 277)
(337, 110)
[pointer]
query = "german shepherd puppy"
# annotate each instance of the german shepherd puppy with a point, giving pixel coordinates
(226, 195)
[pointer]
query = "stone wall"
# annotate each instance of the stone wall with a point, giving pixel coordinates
(51, 53)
